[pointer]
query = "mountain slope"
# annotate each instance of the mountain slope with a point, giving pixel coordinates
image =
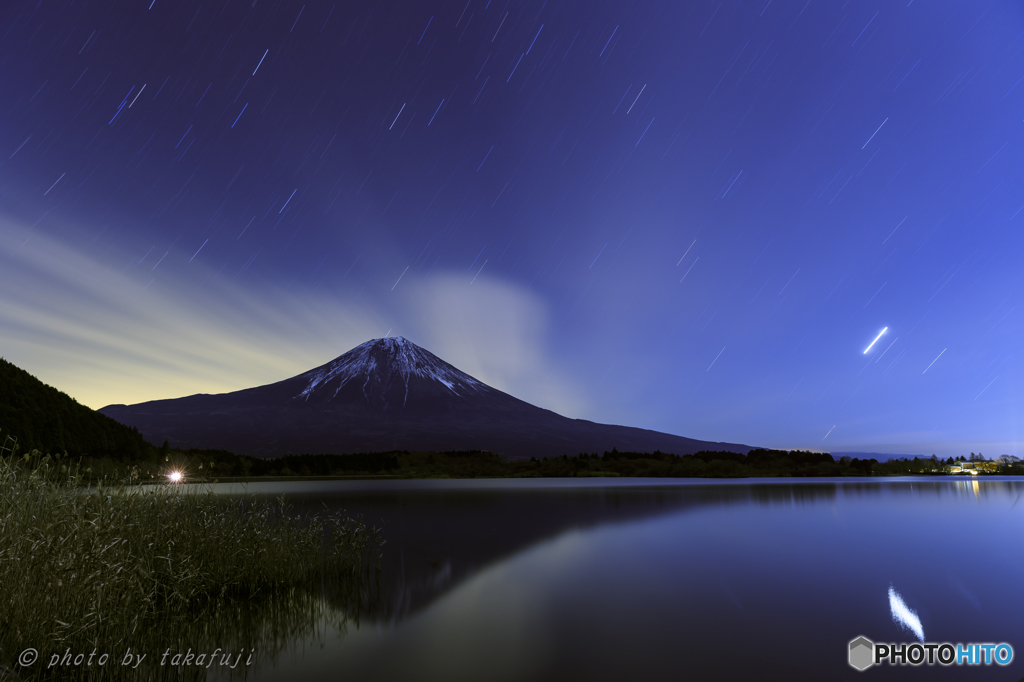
(43, 418)
(386, 394)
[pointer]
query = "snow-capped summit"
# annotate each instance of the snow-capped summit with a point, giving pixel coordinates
(383, 369)
(386, 394)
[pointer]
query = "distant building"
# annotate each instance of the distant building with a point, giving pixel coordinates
(973, 468)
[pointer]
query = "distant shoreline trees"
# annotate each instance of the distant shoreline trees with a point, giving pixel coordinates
(221, 466)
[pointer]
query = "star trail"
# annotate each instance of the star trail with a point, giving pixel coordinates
(581, 203)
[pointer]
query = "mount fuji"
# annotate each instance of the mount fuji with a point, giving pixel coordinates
(386, 394)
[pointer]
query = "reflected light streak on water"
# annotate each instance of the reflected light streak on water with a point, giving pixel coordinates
(903, 615)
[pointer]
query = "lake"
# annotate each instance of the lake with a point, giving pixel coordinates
(652, 579)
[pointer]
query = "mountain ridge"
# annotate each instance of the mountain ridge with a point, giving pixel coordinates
(385, 394)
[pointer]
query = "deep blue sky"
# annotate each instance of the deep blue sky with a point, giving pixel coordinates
(692, 217)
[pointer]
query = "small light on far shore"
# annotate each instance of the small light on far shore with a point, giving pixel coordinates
(174, 477)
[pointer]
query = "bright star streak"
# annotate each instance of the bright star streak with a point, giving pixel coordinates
(686, 252)
(139, 92)
(435, 114)
(883, 122)
(197, 252)
(715, 360)
(876, 340)
(935, 360)
(407, 270)
(236, 118)
(396, 117)
(261, 61)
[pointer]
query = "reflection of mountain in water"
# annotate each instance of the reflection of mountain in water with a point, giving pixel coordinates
(440, 533)
(437, 538)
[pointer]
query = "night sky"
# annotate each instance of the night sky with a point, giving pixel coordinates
(690, 217)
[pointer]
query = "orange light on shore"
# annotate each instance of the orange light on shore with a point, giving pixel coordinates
(174, 477)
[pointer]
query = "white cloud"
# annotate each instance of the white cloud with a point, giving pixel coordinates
(494, 331)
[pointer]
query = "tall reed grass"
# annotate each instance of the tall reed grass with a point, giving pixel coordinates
(92, 567)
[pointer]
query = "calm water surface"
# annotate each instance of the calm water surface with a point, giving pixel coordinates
(598, 579)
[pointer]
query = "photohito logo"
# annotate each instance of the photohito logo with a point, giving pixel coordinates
(864, 653)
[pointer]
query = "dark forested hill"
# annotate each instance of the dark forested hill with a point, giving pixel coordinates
(43, 418)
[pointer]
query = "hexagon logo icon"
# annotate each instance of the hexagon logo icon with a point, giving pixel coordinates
(862, 653)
